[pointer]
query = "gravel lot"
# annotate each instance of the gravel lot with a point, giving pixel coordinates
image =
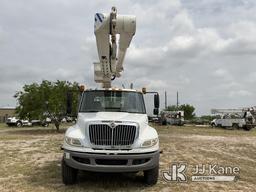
(30, 160)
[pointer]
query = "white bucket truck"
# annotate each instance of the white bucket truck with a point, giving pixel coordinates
(112, 133)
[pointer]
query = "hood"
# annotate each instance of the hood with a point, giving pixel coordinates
(112, 116)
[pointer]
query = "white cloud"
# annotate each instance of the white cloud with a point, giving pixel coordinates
(251, 77)
(181, 23)
(156, 84)
(182, 42)
(240, 93)
(221, 73)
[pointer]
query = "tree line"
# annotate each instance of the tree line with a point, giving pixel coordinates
(49, 100)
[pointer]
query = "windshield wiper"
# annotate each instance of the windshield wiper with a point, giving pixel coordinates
(129, 111)
(112, 107)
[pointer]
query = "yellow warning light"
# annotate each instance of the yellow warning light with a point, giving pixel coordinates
(82, 88)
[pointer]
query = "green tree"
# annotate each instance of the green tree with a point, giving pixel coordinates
(208, 117)
(188, 110)
(47, 99)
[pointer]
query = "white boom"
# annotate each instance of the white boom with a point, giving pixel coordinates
(232, 111)
(111, 55)
(224, 111)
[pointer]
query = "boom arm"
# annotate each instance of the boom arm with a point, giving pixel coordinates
(224, 111)
(106, 29)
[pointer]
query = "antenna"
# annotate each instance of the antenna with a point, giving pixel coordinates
(177, 99)
(131, 86)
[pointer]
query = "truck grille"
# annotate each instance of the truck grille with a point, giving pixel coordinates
(103, 134)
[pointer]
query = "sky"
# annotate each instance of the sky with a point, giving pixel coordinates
(204, 49)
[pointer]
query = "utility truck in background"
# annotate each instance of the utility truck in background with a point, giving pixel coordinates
(172, 118)
(234, 118)
(14, 121)
(112, 133)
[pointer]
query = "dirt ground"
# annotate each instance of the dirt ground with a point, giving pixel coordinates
(30, 160)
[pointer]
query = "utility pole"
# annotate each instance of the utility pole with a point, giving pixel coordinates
(165, 100)
(177, 99)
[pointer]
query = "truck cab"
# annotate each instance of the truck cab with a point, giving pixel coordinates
(112, 134)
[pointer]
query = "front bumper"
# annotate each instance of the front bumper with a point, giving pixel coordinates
(102, 162)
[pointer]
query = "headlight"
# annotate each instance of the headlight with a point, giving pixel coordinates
(73, 141)
(150, 143)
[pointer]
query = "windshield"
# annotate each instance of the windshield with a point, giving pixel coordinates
(112, 101)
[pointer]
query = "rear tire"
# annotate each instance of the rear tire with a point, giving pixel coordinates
(19, 124)
(151, 175)
(235, 126)
(45, 124)
(69, 174)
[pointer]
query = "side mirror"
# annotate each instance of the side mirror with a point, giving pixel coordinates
(156, 111)
(69, 102)
(156, 100)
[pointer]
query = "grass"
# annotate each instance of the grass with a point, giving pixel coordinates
(2, 126)
(30, 160)
(204, 130)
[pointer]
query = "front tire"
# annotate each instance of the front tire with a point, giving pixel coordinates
(164, 122)
(151, 175)
(247, 128)
(69, 174)
(213, 125)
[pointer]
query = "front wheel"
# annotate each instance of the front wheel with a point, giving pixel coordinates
(69, 174)
(164, 122)
(247, 128)
(151, 175)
